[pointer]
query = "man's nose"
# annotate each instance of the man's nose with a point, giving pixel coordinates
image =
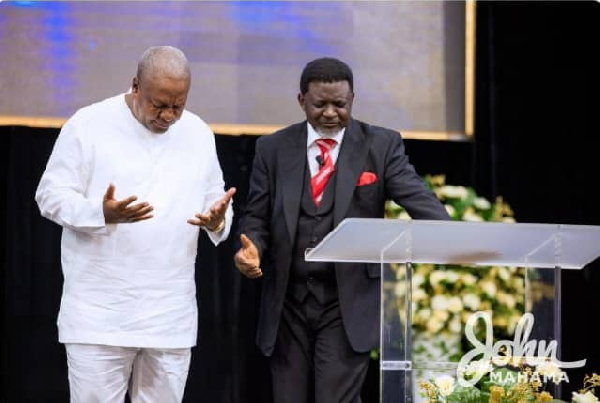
(330, 110)
(168, 115)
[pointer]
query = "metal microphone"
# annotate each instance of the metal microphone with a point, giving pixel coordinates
(320, 161)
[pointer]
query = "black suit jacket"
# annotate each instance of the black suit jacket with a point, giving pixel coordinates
(273, 207)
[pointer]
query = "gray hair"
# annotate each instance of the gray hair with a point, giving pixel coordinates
(164, 60)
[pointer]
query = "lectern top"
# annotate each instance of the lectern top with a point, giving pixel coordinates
(459, 242)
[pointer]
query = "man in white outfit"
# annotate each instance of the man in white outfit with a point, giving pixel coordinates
(131, 179)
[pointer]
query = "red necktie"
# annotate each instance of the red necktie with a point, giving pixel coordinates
(319, 181)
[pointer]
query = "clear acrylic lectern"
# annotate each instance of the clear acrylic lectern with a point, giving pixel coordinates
(544, 249)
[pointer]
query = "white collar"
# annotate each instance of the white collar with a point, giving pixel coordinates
(313, 135)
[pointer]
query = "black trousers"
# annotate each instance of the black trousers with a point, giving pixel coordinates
(313, 361)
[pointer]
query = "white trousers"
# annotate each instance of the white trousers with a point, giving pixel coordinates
(103, 374)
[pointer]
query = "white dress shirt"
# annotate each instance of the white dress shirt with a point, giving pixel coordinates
(313, 149)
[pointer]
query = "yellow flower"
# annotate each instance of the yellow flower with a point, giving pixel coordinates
(434, 325)
(544, 397)
(455, 325)
(489, 287)
(468, 279)
(455, 304)
(436, 277)
(471, 301)
(400, 288)
(496, 394)
(437, 180)
(418, 295)
(418, 280)
(507, 299)
(445, 384)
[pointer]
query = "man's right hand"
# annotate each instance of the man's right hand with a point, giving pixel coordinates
(122, 211)
(247, 260)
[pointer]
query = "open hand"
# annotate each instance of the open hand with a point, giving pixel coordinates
(123, 211)
(247, 260)
(212, 219)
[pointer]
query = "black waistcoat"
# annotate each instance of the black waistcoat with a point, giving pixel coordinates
(313, 224)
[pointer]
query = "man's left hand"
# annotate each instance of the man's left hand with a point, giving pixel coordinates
(212, 219)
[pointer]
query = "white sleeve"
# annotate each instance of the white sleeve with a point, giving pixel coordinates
(61, 194)
(215, 191)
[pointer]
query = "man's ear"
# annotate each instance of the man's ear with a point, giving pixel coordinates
(135, 85)
(301, 100)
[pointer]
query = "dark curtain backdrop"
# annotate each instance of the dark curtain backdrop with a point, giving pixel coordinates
(536, 129)
(537, 135)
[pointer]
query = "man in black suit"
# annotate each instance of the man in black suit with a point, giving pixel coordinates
(319, 320)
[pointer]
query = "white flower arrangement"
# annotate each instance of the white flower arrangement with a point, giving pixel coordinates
(510, 384)
(444, 296)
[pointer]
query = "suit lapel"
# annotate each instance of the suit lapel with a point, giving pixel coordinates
(291, 166)
(351, 160)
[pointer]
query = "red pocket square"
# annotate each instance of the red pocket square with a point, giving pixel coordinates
(366, 178)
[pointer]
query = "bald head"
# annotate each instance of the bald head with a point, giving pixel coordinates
(160, 88)
(163, 61)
